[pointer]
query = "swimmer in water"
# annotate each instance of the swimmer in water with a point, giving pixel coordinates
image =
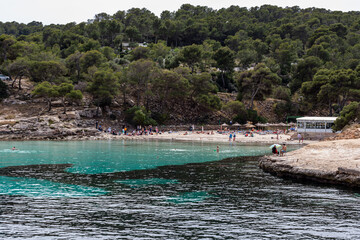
(14, 148)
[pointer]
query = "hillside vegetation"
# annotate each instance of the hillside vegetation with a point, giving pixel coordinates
(173, 68)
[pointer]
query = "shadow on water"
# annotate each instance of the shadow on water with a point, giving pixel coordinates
(176, 179)
(226, 199)
(191, 174)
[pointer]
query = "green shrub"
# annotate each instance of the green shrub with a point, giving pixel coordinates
(349, 114)
(234, 109)
(253, 116)
(282, 108)
(282, 93)
(139, 116)
(160, 118)
(249, 115)
(209, 101)
(240, 118)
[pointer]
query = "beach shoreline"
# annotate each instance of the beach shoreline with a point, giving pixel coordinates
(181, 136)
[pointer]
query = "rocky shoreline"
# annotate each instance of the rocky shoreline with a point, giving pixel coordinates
(331, 162)
(48, 127)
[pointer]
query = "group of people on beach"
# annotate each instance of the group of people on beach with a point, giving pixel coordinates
(111, 130)
(281, 152)
(147, 130)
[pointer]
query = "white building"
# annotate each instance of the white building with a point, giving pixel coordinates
(315, 124)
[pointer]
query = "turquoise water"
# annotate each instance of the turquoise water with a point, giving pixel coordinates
(94, 157)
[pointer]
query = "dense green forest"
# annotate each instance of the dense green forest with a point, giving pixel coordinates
(308, 58)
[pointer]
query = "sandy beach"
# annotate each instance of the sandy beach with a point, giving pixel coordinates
(269, 138)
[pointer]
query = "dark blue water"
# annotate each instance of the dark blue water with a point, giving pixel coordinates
(161, 190)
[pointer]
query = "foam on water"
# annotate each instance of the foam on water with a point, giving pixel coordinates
(151, 181)
(17, 151)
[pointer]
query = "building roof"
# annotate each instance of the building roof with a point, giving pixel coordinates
(327, 119)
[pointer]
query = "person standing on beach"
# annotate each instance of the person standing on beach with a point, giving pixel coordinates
(96, 124)
(230, 137)
(234, 136)
(300, 137)
(217, 149)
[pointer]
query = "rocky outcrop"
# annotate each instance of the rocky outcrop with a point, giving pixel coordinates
(59, 127)
(335, 162)
(351, 132)
(90, 112)
(342, 176)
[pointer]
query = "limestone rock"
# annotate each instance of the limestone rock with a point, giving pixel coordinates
(69, 116)
(90, 112)
(10, 101)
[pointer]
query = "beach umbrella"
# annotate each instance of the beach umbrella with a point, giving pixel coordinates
(249, 125)
(224, 124)
(236, 124)
(276, 145)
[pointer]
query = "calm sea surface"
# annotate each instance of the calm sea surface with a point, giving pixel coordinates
(161, 190)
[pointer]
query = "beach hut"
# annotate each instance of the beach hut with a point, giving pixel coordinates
(315, 124)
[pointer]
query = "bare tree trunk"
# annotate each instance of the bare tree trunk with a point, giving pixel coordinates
(64, 105)
(49, 104)
(20, 83)
(252, 98)
(13, 83)
(222, 78)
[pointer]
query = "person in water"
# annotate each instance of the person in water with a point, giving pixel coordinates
(14, 148)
